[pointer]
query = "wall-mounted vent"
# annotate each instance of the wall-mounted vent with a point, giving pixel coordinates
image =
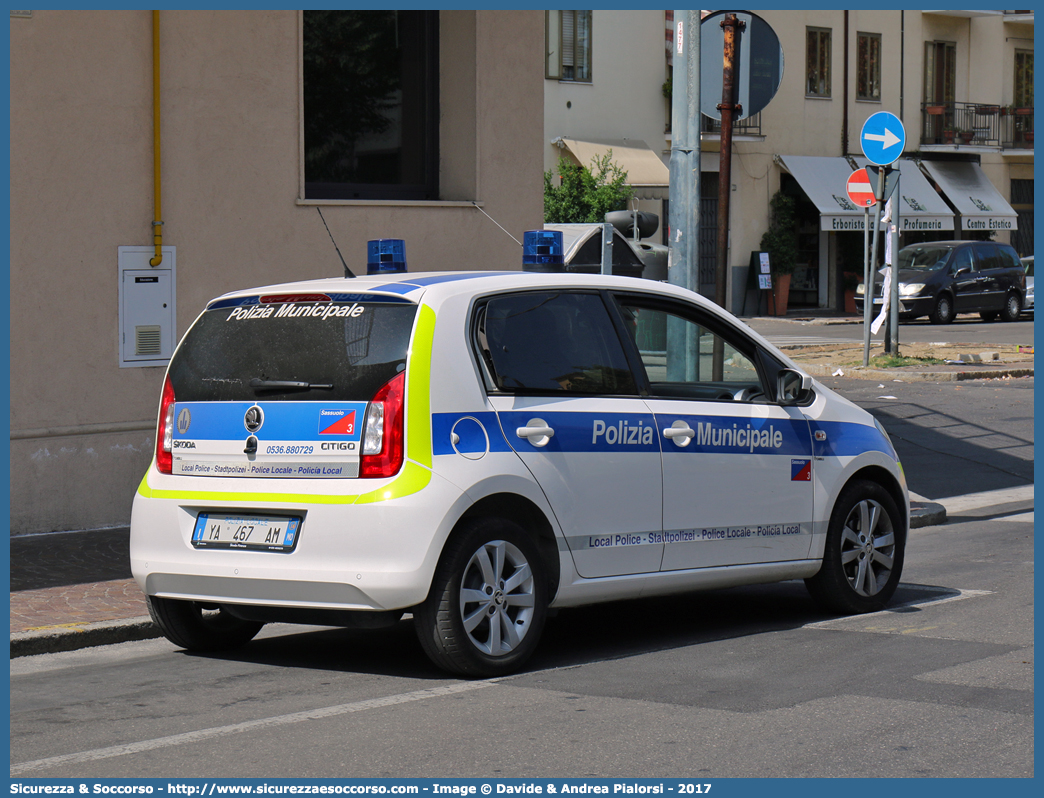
(148, 341)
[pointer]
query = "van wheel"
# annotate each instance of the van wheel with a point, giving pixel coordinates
(200, 627)
(863, 559)
(1012, 308)
(488, 601)
(943, 311)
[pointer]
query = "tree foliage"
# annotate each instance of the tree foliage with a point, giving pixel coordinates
(780, 241)
(585, 194)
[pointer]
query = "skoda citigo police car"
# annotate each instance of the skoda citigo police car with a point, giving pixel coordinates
(476, 448)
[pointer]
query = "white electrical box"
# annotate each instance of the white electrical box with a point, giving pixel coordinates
(147, 306)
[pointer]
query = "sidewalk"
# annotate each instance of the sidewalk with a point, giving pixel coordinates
(73, 590)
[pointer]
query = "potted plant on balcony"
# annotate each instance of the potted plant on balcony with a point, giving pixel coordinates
(935, 109)
(964, 134)
(987, 110)
(780, 242)
(948, 135)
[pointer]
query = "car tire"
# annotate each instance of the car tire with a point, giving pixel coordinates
(200, 627)
(988, 315)
(1012, 308)
(863, 557)
(943, 312)
(488, 601)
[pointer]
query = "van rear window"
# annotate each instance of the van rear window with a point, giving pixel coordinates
(293, 351)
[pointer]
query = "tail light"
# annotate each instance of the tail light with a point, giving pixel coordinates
(165, 430)
(383, 443)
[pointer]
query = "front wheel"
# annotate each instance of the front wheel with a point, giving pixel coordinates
(863, 558)
(1012, 308)
(943, 312)
(488, 601)
(200, 627)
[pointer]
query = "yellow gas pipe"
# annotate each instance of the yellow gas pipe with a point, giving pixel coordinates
(157, 224)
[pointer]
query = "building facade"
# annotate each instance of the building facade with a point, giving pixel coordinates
(255, 135)
(961, 82)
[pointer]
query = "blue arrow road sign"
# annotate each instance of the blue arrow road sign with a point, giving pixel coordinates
(882, 138)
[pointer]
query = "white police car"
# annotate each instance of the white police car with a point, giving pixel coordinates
(476, 447)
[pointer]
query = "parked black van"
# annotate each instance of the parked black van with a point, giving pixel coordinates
(940, 279)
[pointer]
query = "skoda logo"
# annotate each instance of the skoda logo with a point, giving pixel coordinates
(254, 418)
(184, 419)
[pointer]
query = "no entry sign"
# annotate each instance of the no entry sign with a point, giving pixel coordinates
(859, 189)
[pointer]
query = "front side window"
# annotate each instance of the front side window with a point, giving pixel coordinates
(817, 62)
(553, 341)
(686, 358)
(567, 37)
(868, 69)
(371, 104)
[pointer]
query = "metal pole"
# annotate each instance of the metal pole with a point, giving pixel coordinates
(893, 312)
(732, 26)
(683, 241)
(607, 249)
(868, 296)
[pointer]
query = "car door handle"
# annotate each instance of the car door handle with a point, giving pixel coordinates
(537, 432)
(680, 432)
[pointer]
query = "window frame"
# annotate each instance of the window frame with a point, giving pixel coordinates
(765, 365)
(1023, 89)
(428, 188)
(868, 72)
(931, 71)
(821, 81)
(554, 25)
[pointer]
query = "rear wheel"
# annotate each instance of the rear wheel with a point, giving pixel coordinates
(200, 627)
(863, 558)
(1012, 307)
(943, 312)
(488, 601)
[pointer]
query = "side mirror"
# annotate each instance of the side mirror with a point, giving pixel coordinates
(965, 269)
(793, 387)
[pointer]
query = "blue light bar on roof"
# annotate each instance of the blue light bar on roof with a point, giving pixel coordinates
(542, 251)
(386, 256)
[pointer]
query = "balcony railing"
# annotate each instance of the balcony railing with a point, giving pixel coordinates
(751, 126)
(976, 124)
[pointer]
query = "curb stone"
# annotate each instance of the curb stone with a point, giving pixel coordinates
(51, 640)
(867, 373)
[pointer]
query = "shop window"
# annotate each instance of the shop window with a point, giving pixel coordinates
(371, 104)
(868, 67)
(567, 45)
(817, 62)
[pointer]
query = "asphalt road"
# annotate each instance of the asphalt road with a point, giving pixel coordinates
(747, 682)
(744, 682)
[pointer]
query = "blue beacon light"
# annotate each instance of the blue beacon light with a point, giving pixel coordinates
(386, 256)
(542, 251)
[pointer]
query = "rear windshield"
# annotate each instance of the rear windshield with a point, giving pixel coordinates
(924, 258)
(327, 350)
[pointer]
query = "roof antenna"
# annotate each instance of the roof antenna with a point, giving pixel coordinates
(347, 271)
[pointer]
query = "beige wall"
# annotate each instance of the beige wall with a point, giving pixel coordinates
(793, 124)
(81, 186)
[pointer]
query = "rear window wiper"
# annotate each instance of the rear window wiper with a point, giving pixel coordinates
(287, 385)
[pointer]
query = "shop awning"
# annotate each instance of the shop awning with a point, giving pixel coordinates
(824, 181)
(920, 206)
(968, 189)
(646, 173)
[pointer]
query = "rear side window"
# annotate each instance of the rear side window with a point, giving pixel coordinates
(555, 341)
(344, 350)
(989, 257)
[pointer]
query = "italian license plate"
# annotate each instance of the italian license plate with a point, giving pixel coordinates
(246, 532)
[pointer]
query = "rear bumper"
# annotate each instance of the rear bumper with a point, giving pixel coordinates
(352, 553)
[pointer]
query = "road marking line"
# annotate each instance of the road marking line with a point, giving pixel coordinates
(961, 594)
(976, 501)
(237, 728)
